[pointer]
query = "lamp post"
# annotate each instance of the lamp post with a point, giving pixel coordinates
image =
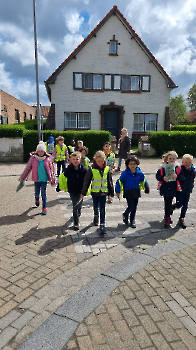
(37, 76)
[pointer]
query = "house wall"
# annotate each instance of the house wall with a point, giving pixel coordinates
(13, 103)
(95, 58)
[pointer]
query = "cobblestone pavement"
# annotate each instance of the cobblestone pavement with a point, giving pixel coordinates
(44, 263)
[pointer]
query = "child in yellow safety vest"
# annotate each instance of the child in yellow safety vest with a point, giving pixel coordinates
(84, 159)
(60, 154)
(110, 159)
(99, 176)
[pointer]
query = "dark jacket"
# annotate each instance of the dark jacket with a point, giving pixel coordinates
(75, 178)
(168, 189)
(125, 147)
(88, 179)
(130, 182)
(188, 176)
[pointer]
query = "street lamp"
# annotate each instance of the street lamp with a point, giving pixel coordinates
(37, 76)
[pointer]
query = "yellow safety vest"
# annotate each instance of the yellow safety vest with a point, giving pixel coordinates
(99, 183)
(60, 153)
(63, 185)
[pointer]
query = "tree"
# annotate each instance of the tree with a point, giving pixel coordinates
(177, 109)
(192, 98)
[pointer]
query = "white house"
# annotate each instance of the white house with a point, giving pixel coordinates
(111, 80)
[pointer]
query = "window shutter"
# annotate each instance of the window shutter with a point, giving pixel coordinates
(145, 82)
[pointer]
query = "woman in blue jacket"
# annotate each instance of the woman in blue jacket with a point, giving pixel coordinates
(130, 181)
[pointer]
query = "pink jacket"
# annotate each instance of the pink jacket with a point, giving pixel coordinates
(32, 166)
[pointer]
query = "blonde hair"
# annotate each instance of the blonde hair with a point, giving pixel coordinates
(166, 155)
(187, 156)
(99, 154)
(59, 138)
(124, 130)
(75, 154)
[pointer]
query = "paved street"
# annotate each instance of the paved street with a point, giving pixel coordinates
(131, 289)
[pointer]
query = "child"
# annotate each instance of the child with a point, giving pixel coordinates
(71, 147)
(99, 176)
(42, 171)
(75, 174)
(188, 175)
(79, 145)
(84, 159)
(131, 179)
(50, 145)
(60, 154)
(110, 159)
(169, 175)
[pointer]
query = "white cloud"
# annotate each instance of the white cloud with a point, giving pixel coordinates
(71, 42)
(73, 22)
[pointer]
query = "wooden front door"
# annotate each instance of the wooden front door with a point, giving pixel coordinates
(111, 117)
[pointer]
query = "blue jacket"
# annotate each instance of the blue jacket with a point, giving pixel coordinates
(130, 183)
(188, 176)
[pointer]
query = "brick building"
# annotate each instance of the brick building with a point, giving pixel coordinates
(13, 110)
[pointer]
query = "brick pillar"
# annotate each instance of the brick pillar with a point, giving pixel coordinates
(50, 123)
(167, 119)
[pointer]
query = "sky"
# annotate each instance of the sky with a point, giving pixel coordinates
(168, 28)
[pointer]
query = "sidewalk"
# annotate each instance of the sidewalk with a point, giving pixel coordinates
(132, 289)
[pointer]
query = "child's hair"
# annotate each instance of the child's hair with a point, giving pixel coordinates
(106, 143)
(59, 138)
(79, 141)
(84, 148)
(123, 130)
(132, 158)
(166, 155)
(75, 154)
(187, 156)
(99, 154)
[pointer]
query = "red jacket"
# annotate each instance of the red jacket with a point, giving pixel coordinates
(32, 166)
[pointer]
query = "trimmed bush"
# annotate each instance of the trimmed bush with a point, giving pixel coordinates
(184, 128)
(12, 130)
(32, 124)
(180, 141)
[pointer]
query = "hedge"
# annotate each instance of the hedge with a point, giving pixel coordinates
(13, 130)
(184, 128)
(92, 139)
(180, 141)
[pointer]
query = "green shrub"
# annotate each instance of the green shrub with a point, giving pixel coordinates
(12, 130)
(180, 141)
(184, 128)
(31, 124)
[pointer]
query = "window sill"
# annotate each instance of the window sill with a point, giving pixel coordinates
(113, 54)
(130, 92)
(86, 90)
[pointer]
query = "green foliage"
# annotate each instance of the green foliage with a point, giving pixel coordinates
(180, 141)
(184, 128)
(30, 141)
(192, 98)
(31, 124)
(177, 109)
(12, 130)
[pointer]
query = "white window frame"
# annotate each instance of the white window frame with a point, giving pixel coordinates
(77, 80)
(133, 83)
(97, 82)
(144, 122)
(145, 83)
(113, 51)
(108, 82)
(78, 117)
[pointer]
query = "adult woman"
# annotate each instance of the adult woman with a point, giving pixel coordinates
(124, 145)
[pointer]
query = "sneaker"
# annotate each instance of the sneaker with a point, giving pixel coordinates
(167, 221)
(125, 219)
(102, 229)
(133, 224)
(181, 223)
(76, 227)
(110, 199)
(37, 203)
(44, 211)
(96, 220)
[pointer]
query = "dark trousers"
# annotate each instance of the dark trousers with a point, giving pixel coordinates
(132, 207)
(59, 164)
(76, 209)
(99, 203)
(41, 185)
(182, 201)
(168, 205)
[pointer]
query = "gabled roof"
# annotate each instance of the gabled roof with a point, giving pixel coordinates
(113, 11)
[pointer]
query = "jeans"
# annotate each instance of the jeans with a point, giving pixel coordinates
(132, 207)
(41, 185)
(77, 210)
(59, 163)
(182, 201)
(168, 205)
(99, 203)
